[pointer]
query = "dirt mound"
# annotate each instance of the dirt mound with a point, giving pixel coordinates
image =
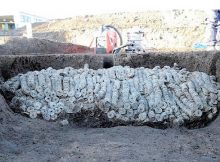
(18, 46)
(5, 111)
(5, 119)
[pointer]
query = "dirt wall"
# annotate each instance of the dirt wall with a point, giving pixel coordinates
(13, 65)
(208, 62)
(204, 61)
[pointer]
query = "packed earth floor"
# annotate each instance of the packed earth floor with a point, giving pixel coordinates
(23, 140)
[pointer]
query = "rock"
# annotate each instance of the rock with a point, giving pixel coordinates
(64, 122)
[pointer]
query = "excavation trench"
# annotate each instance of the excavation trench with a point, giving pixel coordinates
(203, 61)
(207, 62)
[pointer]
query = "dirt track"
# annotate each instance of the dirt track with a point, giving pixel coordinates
(24, 140)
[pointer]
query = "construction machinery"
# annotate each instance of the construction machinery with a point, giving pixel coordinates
(106, 41)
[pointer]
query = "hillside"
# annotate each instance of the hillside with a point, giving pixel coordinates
(176, 29)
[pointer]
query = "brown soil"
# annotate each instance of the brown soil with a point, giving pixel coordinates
(18, 46)
(172, 29)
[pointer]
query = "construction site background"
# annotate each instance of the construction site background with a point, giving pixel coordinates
(172, 29)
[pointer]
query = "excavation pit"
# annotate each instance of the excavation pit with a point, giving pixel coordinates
(207, 62)
(203, 61)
